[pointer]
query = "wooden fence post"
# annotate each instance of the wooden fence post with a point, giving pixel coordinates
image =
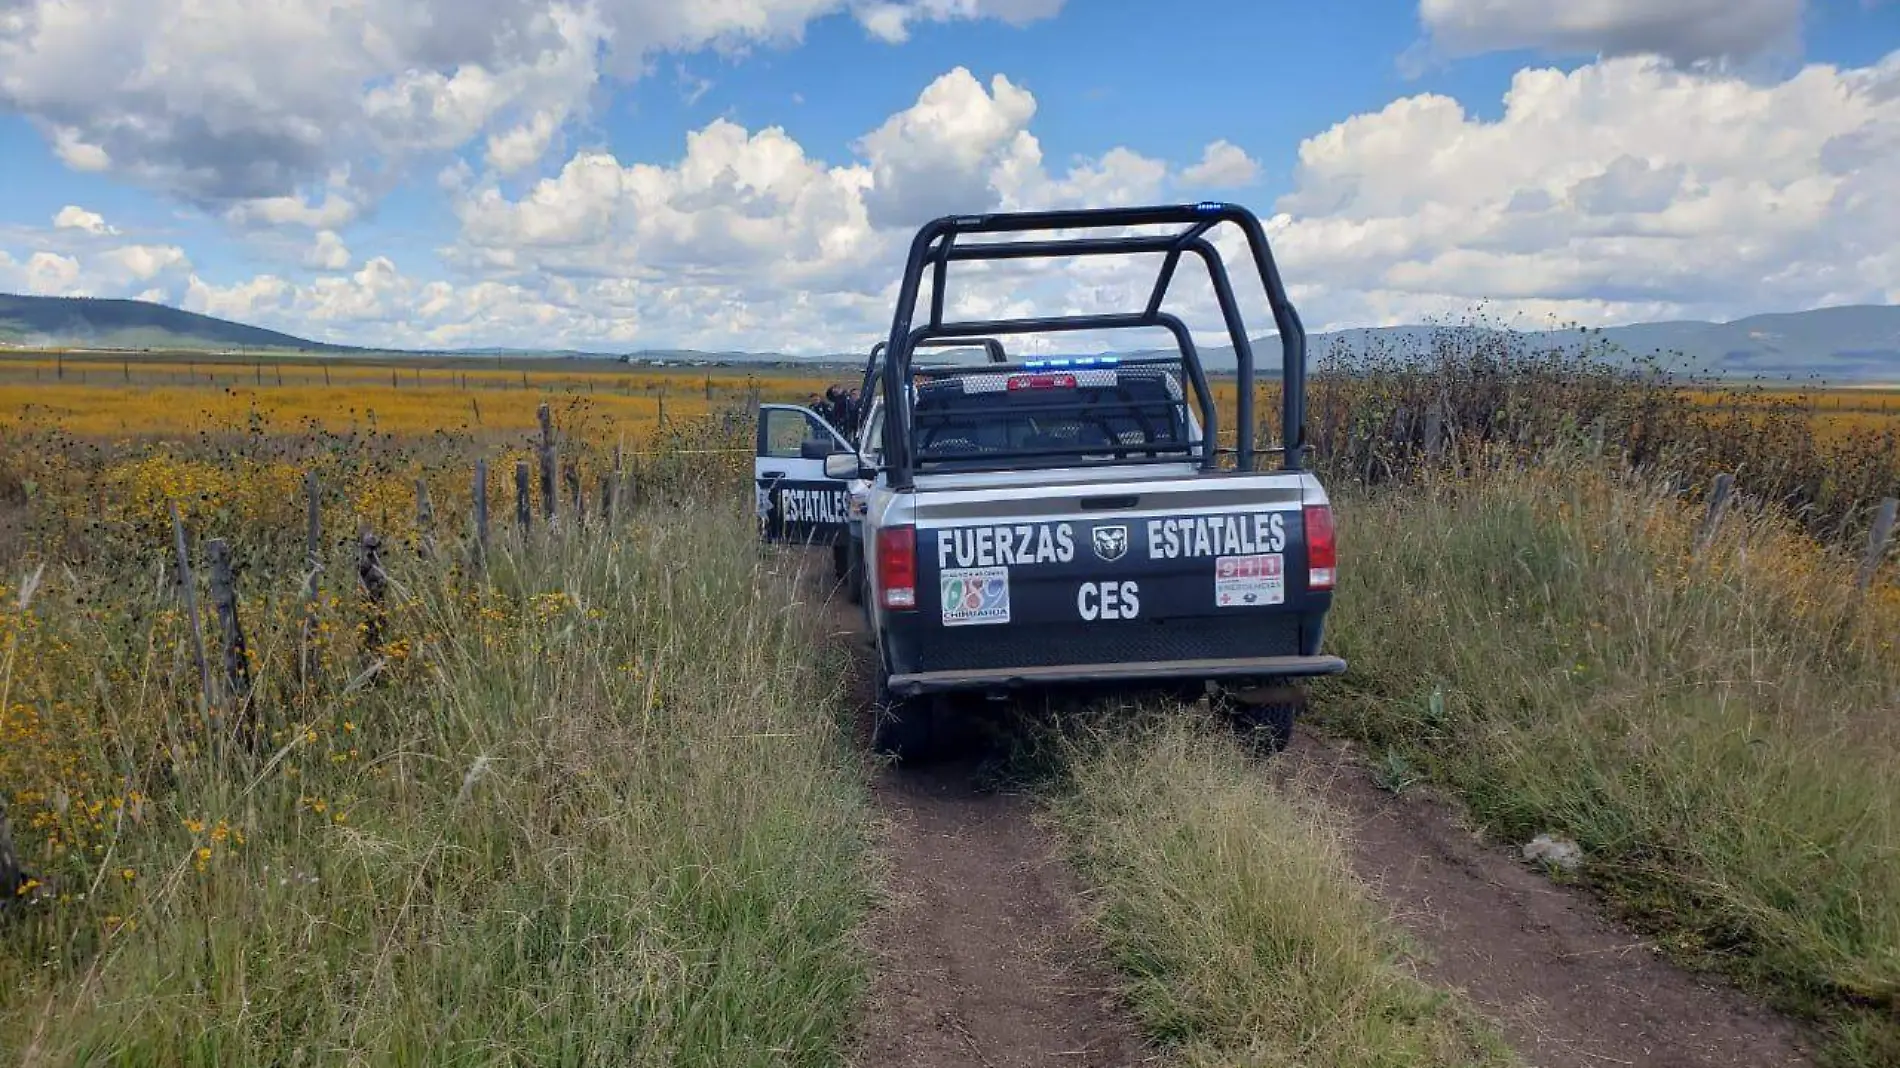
(369, 570)
(481, 516)
(613, 503)
(313, 567)
(573, 472)
(425, 521)
(12, 875)
(548, 489)
(524, 512)
(1877, 540)
(1718, 507)
(237, 660)
(607, 499)
(188, 588)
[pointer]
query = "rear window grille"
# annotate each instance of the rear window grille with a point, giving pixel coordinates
(972, 415)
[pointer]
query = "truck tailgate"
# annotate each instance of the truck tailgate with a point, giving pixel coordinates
(1128, 574)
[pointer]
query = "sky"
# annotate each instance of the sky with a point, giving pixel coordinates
(747, 174)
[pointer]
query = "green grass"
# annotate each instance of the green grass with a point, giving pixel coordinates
(602, 815)
(1719, 733)
(1232, 907)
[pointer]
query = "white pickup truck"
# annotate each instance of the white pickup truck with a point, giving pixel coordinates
(1075, 522)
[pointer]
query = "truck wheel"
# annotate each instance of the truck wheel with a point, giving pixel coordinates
(854, 573)
(1265, 716)
(1266, 729)
(908, 728)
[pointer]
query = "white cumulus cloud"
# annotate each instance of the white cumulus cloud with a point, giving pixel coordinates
(1223, 165)
(247, 108)
(891, 21)
(1627, 187)
(938, 155)
(142, 263)
(74, 217)
(49, 274)
(327, 252)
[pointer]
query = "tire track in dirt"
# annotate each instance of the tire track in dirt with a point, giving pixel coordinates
(982, 960)
(981, 957)
(1569, 988)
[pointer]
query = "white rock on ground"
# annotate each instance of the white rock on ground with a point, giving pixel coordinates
(1559, 852)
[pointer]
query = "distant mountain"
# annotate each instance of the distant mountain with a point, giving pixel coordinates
(1845, 344)
(1853, 343)
(75, 322)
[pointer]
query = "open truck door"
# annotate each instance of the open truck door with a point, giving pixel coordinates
(796, 503)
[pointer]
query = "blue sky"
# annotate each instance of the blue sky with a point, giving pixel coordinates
(685, 175)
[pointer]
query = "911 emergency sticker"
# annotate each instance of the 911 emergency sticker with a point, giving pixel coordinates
(974, 595)
(1245, 581)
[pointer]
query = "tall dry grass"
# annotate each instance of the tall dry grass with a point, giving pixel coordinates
(1719, 730)
(1231, 906)
(593, 811)
(1370, 411)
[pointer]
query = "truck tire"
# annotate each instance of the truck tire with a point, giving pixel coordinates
(1266, 729)
(1264, 717)
(907, 728)
(854, 572)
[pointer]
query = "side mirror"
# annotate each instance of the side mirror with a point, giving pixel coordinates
(843, 466)
(815, 449)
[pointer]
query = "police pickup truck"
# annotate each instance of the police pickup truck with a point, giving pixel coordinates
(1079, 521)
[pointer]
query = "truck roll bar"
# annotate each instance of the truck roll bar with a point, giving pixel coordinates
(936, 246)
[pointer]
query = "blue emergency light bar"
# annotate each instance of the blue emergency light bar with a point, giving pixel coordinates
(1072, 361)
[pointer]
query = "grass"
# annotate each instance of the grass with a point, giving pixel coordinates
(1717, 730)
(1825, 457)
(596, 811)
(1231, 905)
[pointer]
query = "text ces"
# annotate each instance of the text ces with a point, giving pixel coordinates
(1108, 600)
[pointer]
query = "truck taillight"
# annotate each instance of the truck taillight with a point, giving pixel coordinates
(897, 566)
(1040, 381)
(1322, 557)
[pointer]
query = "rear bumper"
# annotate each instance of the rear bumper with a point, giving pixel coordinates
(1259, 667)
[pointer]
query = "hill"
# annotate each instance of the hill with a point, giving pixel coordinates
(88, 322)
(1846, 344)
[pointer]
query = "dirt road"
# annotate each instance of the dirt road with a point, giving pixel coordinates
(983, 961)
(1569, 988)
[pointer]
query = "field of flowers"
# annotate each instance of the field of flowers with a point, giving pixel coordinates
(100, 398)
(374, 807)
(92, 693)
